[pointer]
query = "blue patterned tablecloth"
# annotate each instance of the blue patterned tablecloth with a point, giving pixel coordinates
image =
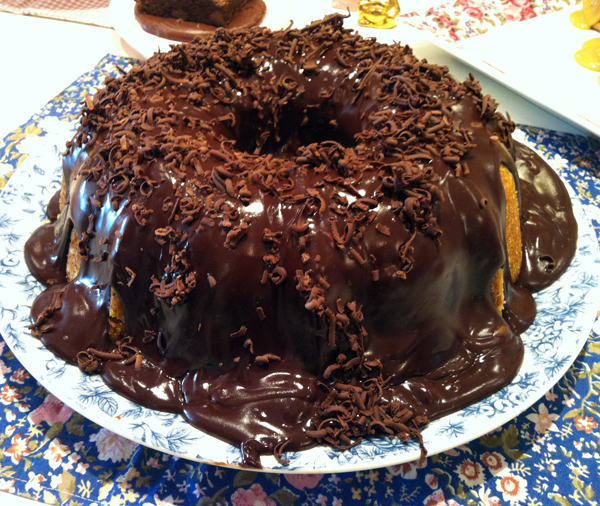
(550, 454)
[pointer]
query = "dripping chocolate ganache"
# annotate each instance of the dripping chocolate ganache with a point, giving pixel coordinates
(297, 237)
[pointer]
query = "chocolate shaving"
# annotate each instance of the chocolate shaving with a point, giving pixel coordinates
(278, 275)
(242, 331)
(131, 276)
(265, 359)
(278, 452)
(91, 359)
(357, 256)
(149, 336)
(382, 229)
(42, 319)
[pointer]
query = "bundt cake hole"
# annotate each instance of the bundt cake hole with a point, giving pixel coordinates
(297, 130)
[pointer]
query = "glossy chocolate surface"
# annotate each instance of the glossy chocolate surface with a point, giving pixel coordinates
(302, 229)
(252, 14)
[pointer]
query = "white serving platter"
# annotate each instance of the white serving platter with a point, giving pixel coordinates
(535, 58)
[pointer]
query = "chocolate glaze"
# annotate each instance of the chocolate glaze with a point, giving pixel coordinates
(548, 228)
(47, 252)
(252, 14)
(282, 211)
(53, 208)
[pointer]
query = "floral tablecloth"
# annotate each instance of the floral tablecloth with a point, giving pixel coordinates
(548, 455)
(462, 19)
(91, 12)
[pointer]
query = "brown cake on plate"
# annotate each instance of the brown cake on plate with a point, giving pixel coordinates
(298, 237)
(183, 21)
(209, 12)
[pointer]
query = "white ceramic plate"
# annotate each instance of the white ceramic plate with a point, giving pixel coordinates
(566, 312)
(535, 58)
(280, 13)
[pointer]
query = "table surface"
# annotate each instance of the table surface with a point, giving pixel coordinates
(40, 57)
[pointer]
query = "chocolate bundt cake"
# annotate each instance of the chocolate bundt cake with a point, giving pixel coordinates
(297, 237)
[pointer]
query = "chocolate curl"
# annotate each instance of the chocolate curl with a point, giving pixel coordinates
(278, 452)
